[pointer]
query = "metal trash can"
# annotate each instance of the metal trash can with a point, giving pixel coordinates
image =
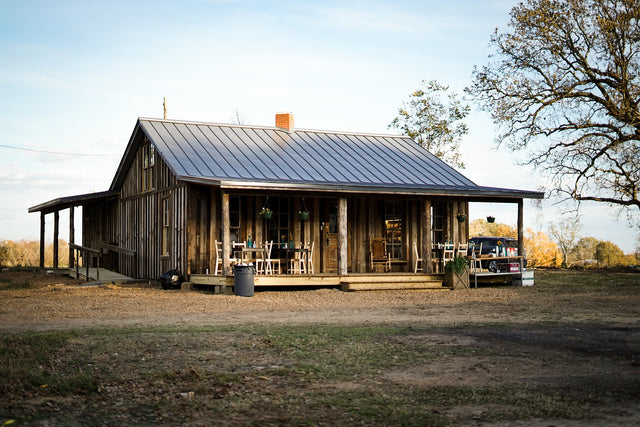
(243, 282)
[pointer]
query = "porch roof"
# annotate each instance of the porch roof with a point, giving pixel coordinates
(66, 202)
(239, 156)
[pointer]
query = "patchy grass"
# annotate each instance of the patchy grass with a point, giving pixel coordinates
(482, 371)
(276, 375)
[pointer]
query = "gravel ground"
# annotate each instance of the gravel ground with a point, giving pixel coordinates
(58, 302)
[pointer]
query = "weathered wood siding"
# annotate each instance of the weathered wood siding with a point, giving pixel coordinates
(366, 220)
(100, 225)
(141, 220)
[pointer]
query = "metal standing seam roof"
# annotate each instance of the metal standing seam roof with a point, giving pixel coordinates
(249, 156)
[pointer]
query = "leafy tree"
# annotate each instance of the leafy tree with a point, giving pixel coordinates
(433, 118)
(541, 250)
(481, 227)
(585, 249)
(610, 255)
(4, 253)
(564, 87)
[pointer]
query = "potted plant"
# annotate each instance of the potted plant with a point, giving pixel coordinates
(304, 215)
(461, 217)
(266, 213)
(491, 219)
(456, 273)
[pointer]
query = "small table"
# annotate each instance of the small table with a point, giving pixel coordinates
(244, 251)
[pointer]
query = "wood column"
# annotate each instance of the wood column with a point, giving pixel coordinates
(213, 230)
(260, 236)
(455, 225)
(520, 228)
(295, 221)
(72, 236)
(42, 239)
(342, 236)
(226, 235)
(56, 228)
(427, 266)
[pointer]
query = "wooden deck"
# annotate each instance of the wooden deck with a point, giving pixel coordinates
(351, 282)
(105, 275)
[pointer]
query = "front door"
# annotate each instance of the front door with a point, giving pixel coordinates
(329, 240)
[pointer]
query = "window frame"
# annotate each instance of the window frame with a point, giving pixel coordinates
(394, 225)
(437, 222)
(165, 242)
(148, 167)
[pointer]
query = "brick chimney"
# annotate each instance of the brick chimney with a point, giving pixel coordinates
(284, 121)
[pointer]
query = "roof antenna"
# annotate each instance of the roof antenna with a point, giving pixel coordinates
(164, 106)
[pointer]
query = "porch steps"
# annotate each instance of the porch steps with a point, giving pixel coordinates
(391, 282)
(351, 282)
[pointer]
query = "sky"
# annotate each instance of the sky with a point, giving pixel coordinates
(76, 75)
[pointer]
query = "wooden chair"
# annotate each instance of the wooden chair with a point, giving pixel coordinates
(309, 266)
(234, 252)
(449, 253)
(416, 259)
(296, 263)
(218, 269)
(477, 255)
(265, 265)
(379, 255)
(306, 259)
(462, 249)
(435, 259)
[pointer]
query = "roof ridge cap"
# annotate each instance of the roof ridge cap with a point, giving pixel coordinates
(327, 131)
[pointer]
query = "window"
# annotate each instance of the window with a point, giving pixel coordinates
(165, 227)
(148, 166)
(278, 225)
(234, 218)
(437, 225)
(393, 224)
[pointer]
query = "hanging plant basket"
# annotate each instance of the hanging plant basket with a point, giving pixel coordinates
(266, 213)
(303, 212)
(461, 217)
(491, 219)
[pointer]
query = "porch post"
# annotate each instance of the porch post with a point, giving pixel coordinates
(213, 230)
(342, 236)
(56, 224)
(520, 228)
(72, 236)
(41, 239)
(427, 266)
(226, 235)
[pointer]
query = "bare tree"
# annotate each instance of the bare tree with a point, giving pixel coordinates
(564, 87)
(566, 234)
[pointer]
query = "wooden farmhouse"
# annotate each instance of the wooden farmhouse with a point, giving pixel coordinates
(182, 187)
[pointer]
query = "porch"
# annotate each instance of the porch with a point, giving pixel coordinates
(350, 282)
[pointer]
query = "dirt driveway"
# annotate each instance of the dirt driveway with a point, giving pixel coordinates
(54, 301)
(573, 333)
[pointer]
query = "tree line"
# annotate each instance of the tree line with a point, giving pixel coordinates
(26, 253)
(557, 250)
